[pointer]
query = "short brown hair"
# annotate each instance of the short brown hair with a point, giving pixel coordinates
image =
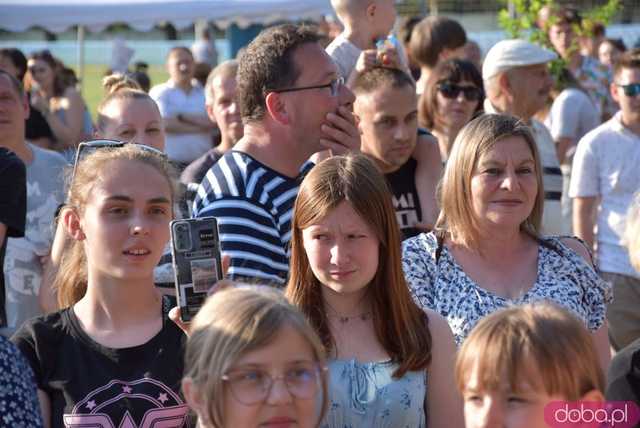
(542, 335)
(267, 64)
(177, 49)
(475, 139)
(379, 77)
(629, 59)
(433, 35)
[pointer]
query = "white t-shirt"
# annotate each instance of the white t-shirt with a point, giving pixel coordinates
(572, 115)
(344, 53)
(552, 223)
(205, 51)
(23, 269)
(607, 165)
(172, 101)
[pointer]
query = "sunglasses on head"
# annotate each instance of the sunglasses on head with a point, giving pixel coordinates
(87, 147)
(451, 90)
(630, 90)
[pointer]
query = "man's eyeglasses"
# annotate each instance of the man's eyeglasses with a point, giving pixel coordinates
(252, 386)
(334, 86)
(87, 147)
(451, 90)
(630, 90)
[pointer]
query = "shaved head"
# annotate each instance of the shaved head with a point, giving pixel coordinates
(350, 8)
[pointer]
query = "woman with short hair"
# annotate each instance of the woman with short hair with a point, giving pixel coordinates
(486, 251)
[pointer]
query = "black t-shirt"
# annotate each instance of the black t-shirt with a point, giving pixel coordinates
(623, 378)
(92, 385)
(13, 208)
(36, 125)
(406, 201)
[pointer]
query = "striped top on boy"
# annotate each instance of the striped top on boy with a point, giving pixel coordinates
(253, 205)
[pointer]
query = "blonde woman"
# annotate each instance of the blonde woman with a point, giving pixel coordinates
(487, 252)
(111, 356)
(252, 360)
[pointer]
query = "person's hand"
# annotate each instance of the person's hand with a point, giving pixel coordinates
(367, 60)
(174, 313)
(40, 103)
(342, 132)
(389, 58)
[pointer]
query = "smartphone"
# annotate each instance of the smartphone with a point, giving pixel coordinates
(197, 263)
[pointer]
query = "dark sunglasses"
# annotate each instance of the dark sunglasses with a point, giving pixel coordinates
(450, 90)
(87, 147)
(630, 90)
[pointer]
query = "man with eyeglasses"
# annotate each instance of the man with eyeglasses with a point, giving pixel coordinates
(27, 258)
(517, 82)
(293, 104)
(606, 174)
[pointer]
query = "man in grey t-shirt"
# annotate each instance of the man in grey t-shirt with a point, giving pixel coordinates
(27, 257)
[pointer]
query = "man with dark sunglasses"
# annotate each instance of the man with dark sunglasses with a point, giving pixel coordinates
(517, 82)
(27, 258)
(606, 175)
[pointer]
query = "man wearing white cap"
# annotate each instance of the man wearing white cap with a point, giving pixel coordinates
(517, 82)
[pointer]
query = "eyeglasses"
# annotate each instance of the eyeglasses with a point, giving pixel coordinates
(630, 90)
(252, 386)
(334, 86)
(87, 147)
(450, 90)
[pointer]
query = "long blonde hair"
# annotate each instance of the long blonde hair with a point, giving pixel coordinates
(231, 323)
(401, 327)
(71, 278)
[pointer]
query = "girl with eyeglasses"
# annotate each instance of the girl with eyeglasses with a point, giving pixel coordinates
(390, 363)
(252, 360)
(453, 96)
(111, 356)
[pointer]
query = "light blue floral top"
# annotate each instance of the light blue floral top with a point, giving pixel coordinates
(366, 395)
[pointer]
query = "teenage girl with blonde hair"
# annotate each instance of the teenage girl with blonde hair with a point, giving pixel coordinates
(252, 360)
(111, 357)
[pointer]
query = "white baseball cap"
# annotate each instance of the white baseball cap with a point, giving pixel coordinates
(508, 54)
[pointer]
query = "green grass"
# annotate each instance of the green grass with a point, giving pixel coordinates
(93, 92)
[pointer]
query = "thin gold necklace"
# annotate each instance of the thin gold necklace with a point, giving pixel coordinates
(343, 319)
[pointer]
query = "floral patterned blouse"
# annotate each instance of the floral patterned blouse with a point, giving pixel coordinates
(440, 284)
(366, 395)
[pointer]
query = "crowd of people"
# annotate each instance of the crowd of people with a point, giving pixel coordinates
(413, 234)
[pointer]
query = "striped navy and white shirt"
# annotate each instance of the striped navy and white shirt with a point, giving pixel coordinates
(253, 205)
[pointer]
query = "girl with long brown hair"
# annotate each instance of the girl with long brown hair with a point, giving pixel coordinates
(346, 277)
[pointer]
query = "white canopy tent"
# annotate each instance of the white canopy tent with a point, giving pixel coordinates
(142, 15)
(95, 15)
